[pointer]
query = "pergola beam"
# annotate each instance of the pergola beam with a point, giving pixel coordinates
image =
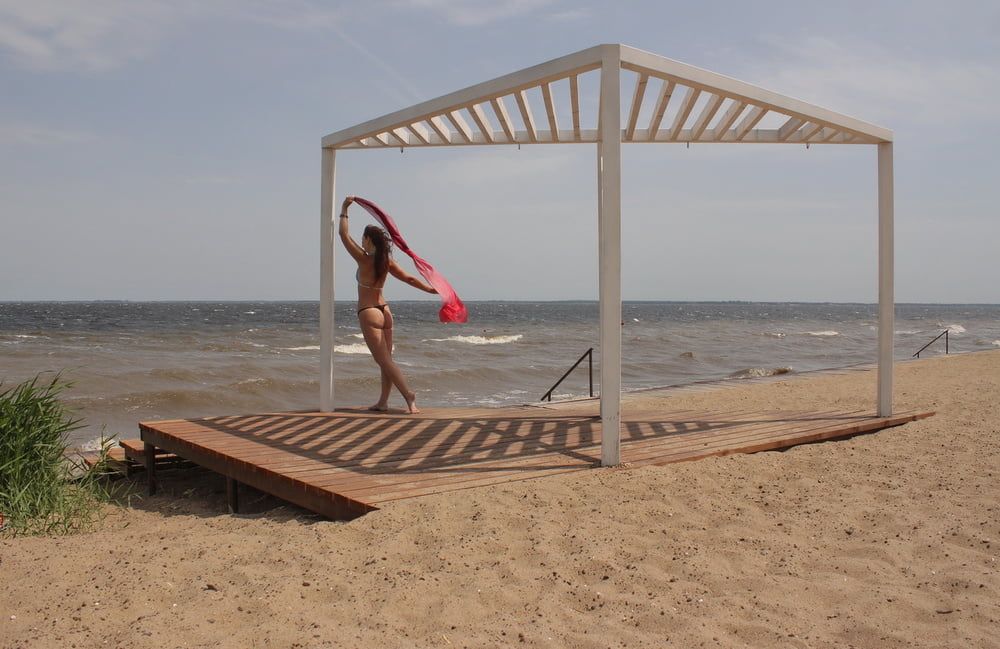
(637, 96)
(609, 257)
(500, 110)
(529, 121)
(482, 122)
(666, 91)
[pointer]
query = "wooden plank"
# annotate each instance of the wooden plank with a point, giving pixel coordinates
(574, 97)
(666, 92)
(529, 121)
(637, 96)
(550, 109)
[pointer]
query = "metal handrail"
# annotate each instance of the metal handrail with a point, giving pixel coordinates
(943, 333)
(588, 353)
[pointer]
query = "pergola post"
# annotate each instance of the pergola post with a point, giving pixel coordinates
(328, 172)
(886, 303)
(609, 148)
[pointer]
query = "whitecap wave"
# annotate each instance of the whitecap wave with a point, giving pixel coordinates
(905, 332)
(303, 348)
(953, 328)
(480, 340)
(773, 334)
(357, 348)
(822, 333)
(996, 343)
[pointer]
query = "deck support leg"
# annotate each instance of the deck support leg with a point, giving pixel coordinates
(149, 456)
(609, 173)
(886, 300)
(233, 495)
(326, 269)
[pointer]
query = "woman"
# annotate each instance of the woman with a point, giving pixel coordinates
(374, 264)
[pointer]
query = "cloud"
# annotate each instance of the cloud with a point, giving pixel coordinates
(886, 86)
(33, 135)
(96, 35)
(99, 35)
(476, 12)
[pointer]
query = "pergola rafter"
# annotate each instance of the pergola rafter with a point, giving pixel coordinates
(692, 106)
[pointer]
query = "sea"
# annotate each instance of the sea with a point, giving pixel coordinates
(134, 361)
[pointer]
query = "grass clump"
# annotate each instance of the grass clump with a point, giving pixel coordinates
(41, 490)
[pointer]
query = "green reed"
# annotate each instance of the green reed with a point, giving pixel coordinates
(41, 490)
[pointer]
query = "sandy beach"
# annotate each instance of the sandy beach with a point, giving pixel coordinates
(882, 540)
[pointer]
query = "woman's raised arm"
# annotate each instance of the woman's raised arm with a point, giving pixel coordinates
(352, 246)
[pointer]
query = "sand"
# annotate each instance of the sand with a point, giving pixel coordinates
(883, 540)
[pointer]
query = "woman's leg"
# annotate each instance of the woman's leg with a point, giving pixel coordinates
(373, 323)
(383, 399)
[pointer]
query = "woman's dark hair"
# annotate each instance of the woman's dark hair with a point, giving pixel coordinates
(380, 239)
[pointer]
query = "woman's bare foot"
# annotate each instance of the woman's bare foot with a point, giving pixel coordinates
(379, 407)
(411, 403)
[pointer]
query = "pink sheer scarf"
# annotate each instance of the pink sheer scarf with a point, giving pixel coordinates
(452, 308)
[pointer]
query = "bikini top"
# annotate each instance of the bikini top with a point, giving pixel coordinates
(357, 277)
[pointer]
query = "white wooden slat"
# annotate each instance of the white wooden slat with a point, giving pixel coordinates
(637, 96)
(420, 132)
(440, 128)
(666, 92)
(808, 131)
(830, 134)
(734, 111)
(550, 109)
(711, 108)
(400, 136)
(788, 128)
(574, 97)
(482, 122)
(685, 110)
(500, 110)
(750, 121)
(382, 138)
(460, 125)
(529, 121)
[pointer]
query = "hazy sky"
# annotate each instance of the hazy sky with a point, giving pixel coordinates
(170, 150)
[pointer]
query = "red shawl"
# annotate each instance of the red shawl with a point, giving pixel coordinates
(452, 309)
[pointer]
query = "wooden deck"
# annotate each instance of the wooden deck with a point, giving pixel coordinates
(346, 463)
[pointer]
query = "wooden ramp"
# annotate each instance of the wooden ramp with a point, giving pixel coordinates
(349, 462)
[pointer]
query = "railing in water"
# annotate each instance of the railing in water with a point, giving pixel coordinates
(943, 333)
(587, 354)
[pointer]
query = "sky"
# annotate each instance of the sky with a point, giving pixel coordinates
(159, 150)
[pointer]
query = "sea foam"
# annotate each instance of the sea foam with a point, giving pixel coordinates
(953, 328)
(357, 348)
(823, 333)
(480, 340)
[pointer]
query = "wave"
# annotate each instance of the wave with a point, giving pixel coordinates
(758, 372)
(996, 343)
(479, 340)
(822, 333)
(953, 328)
(357, 348)
(773, 334)
(304, 348)
(906, 332)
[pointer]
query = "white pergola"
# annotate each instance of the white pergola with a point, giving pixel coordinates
(691, 106)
